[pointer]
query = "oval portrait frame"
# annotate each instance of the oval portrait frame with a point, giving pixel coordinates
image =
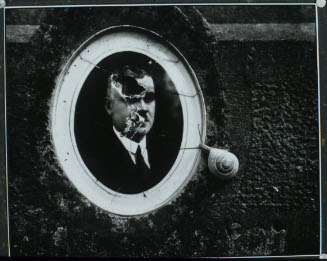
(69, 84)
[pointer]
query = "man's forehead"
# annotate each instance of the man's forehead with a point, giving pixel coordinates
(146, 82)
(137, 86)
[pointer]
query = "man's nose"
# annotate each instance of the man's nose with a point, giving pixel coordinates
(143, 104)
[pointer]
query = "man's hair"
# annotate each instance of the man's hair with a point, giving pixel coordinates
(125, 76)
(128, 71)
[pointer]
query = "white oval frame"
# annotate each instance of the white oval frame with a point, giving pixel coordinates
(69, 84)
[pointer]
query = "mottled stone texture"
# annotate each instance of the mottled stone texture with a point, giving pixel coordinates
(261, 101)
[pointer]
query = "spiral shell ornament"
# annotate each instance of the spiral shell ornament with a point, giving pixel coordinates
(223, 164)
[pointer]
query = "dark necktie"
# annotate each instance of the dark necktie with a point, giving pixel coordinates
(146, 178)
(141, 166)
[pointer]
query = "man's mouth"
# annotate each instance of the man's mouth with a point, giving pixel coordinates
(139, 118)
(141, 124)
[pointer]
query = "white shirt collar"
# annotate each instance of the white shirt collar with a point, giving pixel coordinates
(131, 146)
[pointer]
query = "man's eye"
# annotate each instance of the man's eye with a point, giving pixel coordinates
(131, 100)
(149, 97)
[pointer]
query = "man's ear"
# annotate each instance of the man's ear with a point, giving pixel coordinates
(107, 106)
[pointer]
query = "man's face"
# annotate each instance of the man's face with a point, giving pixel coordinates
(132, 106)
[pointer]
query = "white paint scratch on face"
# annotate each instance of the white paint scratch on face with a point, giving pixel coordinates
(134, 121)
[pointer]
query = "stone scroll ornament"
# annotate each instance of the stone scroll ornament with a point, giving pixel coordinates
(222, 163)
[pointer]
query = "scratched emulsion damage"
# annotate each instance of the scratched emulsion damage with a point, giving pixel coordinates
(131, 96)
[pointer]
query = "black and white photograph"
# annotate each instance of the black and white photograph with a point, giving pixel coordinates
(115, 120)
(163, 130)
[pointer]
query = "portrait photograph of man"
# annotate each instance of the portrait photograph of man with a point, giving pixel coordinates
(129, 140)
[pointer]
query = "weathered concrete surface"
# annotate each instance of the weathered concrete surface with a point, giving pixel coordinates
(223, 32)
(261, 100)
(250, 14)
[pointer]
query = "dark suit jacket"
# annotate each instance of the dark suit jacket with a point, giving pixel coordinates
(111, 164)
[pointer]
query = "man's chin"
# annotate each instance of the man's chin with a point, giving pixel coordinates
(138, 135)
(142, 131)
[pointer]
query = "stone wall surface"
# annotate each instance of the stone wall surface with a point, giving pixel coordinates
(261, 101)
